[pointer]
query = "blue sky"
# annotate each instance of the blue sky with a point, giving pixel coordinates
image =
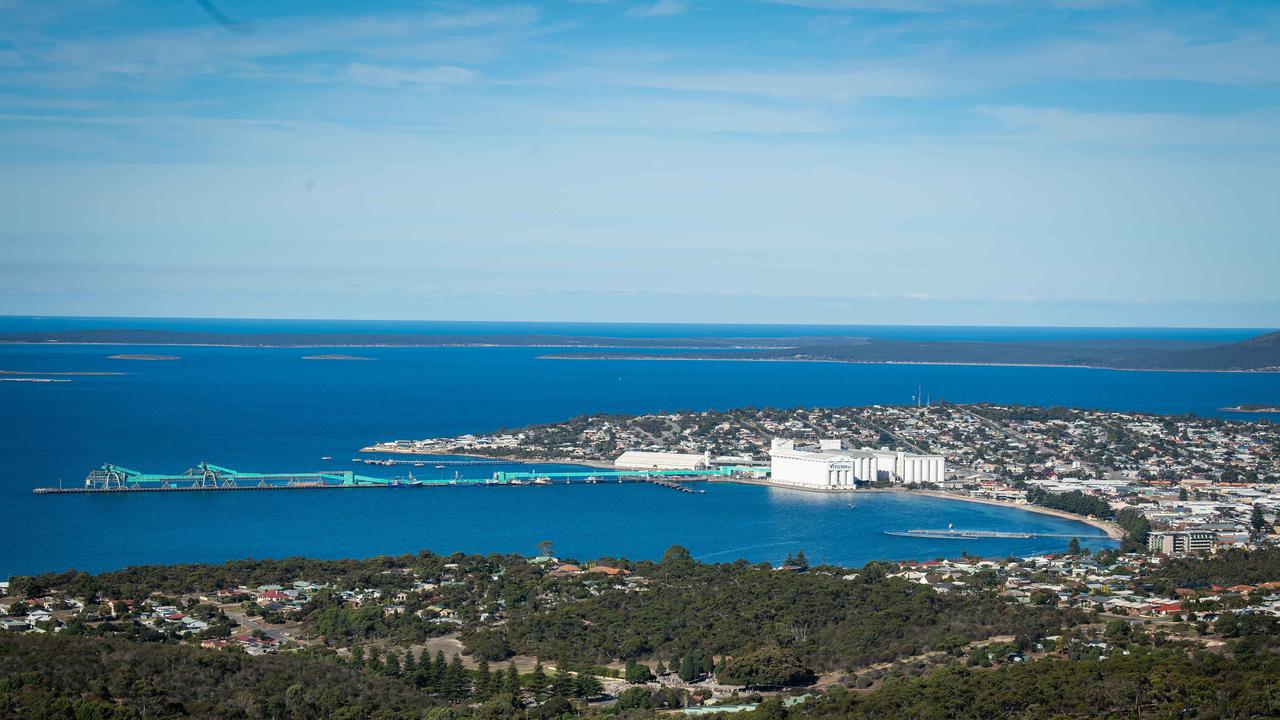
(1068, 162)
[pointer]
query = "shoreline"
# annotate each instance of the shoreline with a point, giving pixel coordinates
(1111, 529)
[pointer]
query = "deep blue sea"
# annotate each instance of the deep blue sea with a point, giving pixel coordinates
(269, 410)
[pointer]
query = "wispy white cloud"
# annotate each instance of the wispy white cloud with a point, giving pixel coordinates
(661, 8)
(391, 77)
(460, 36)
(895, 5)
(1126, 52)
(936, 6)
(1139, 129)
(804, 85)
(679, 116)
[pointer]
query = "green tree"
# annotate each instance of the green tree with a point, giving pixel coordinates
(484, 680)
(586, 685)
(677, 560)
(771, 709)
(562, 683)
(408, 666)
(688, 668)
(1258, 521)
(769, 666)
(457, 682)
(436, 678)
(636, 673)
(295, 701)
(1118, 629)
(556, 706)
(537, 679)
(636, 698)
(513, 681)
(1073, 547)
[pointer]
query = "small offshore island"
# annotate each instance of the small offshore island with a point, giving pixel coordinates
(1254, 408)
(143, 356)
(337, 357)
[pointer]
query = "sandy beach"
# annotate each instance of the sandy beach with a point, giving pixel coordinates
(1113, 531)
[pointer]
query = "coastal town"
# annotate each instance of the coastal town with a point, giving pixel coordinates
(1199, 483)
(1192, 502)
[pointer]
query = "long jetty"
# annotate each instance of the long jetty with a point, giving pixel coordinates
(205, 477)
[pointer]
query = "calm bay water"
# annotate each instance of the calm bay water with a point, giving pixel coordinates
(269, 410)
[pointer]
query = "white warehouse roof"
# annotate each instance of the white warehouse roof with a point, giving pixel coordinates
(640, 459)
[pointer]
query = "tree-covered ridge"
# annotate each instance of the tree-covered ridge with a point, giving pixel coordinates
(48, 676)
(1170, 683)
(1227, 568)
(140, 581)
(829, 620)
(887, 646)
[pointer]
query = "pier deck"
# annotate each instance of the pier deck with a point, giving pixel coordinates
(207, 478)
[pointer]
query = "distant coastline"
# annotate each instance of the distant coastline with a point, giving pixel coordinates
(1257, 354)
(1253, 408)
(680, 358)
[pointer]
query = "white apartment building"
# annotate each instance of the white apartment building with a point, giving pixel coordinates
(831, 466)
(1182, 542)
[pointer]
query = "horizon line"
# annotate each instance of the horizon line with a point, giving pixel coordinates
(43, 316)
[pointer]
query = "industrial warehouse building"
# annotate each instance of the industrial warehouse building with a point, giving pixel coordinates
(645, 460)
(830, 466)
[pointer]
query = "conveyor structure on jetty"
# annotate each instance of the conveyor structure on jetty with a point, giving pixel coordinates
(953, 534)
(425, 461)
(207, 477)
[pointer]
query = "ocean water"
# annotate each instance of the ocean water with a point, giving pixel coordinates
(269, 410)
